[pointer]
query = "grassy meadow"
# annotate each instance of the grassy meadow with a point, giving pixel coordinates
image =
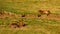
(35, 25)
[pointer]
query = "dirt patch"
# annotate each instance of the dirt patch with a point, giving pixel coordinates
(29, 15)
(57, 17)
(10, 15)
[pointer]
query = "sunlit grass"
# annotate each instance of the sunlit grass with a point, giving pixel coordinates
(35, 25)
(30, 5)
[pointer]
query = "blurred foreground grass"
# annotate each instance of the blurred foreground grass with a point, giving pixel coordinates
(35, 26)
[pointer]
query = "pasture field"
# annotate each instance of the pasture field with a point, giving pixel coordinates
(36, 25)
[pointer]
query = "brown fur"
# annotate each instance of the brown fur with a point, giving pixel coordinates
(21, 24)
(41, 12)
(14, 25)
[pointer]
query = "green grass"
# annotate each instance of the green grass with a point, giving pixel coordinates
(35, 25)
(20, 6)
